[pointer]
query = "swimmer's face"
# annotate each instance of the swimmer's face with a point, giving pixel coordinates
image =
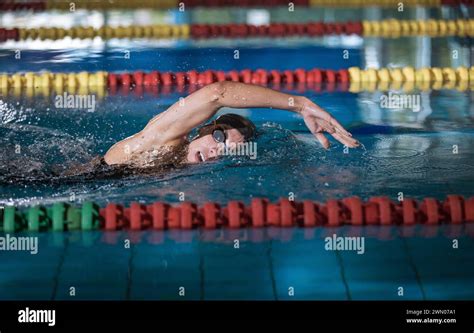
(208, 148)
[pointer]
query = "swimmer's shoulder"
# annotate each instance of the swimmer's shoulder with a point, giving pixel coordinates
(123, 153)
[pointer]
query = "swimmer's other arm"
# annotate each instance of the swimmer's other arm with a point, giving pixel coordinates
(172, 126)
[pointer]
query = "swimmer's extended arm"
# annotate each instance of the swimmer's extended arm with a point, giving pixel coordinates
(171, 126)
(198, 107)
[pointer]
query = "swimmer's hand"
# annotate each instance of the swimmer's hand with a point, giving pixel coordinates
(319, 121)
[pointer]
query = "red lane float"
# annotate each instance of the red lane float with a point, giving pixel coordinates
(14, 5)
(258, 76)
(377, 211)
(311, 29)
(9, 34)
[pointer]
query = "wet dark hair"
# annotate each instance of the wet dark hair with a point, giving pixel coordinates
(229, 121)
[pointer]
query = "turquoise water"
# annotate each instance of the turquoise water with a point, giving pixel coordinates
(415, 153)
(426, 153)
(267, 264)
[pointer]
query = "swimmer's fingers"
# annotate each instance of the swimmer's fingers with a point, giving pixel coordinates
(326, 127)
(334, 123)
(315, 128)
(346, 140)
(340, 135)
(339, 127)
(317, 111)
(322, 139)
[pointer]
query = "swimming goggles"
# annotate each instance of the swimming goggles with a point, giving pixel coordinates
(219, 136)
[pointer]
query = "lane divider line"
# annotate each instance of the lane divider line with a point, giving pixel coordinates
(353, 79)
(390, 28)
(376, 211)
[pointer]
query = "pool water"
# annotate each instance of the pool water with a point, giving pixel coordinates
(264, 267)
(419, 154)
(430, 151)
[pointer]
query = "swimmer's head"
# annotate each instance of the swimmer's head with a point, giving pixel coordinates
(226, 130)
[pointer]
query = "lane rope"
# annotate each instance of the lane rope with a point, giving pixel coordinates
(353, 79)
(390, 28)
(376, 211)
(41, 5)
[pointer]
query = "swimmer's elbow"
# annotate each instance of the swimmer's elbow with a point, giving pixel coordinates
(114, 156)
(217, 92)
(109, 158)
